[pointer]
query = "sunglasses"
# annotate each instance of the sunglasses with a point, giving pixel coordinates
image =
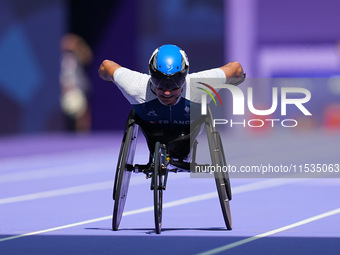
(170, 83)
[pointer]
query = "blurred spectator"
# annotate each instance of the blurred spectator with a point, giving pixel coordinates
(75, 84)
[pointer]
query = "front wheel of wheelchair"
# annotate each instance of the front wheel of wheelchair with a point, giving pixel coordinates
(222, 181)
(123, 175)
(157, 188)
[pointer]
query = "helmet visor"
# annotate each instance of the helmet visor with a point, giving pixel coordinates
(168, 83)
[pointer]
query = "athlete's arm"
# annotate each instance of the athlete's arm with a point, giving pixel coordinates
(107, 69)
(233, 72)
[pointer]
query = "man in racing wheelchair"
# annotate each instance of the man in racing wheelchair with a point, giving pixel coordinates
(162, 102)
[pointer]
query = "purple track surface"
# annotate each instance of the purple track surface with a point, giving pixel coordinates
(56, 198)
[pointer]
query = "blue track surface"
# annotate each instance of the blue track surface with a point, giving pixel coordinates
(56, 198)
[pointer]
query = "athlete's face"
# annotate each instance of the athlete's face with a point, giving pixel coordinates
(168, 97)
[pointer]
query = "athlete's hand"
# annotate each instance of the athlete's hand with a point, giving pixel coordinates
(234, 73)
(107, 69)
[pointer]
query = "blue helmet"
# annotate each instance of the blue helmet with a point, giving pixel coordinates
(168, 67)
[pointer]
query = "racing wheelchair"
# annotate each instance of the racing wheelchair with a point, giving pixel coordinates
(166, 154)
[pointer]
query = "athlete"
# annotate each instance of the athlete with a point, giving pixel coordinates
(162, 98)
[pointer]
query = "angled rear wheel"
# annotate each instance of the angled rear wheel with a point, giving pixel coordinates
(221, 177)
(123, 173)
(222, 181)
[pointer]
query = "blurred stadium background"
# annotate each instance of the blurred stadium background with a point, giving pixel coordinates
(291, 38)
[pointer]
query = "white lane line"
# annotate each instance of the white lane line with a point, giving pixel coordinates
(237, 190)
(269, 233)
(40, 160)
(56, 228)
(134, 181)
(74, 190)
(51, 172)
(58, 192)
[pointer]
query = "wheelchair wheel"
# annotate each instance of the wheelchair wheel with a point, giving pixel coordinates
(221, 178)
(123, 175)
(225, 174)
(157, 188)
(222, 182)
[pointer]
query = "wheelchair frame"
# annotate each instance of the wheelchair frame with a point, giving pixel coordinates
(157, 169)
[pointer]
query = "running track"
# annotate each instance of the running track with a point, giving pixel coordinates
(56, 198)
